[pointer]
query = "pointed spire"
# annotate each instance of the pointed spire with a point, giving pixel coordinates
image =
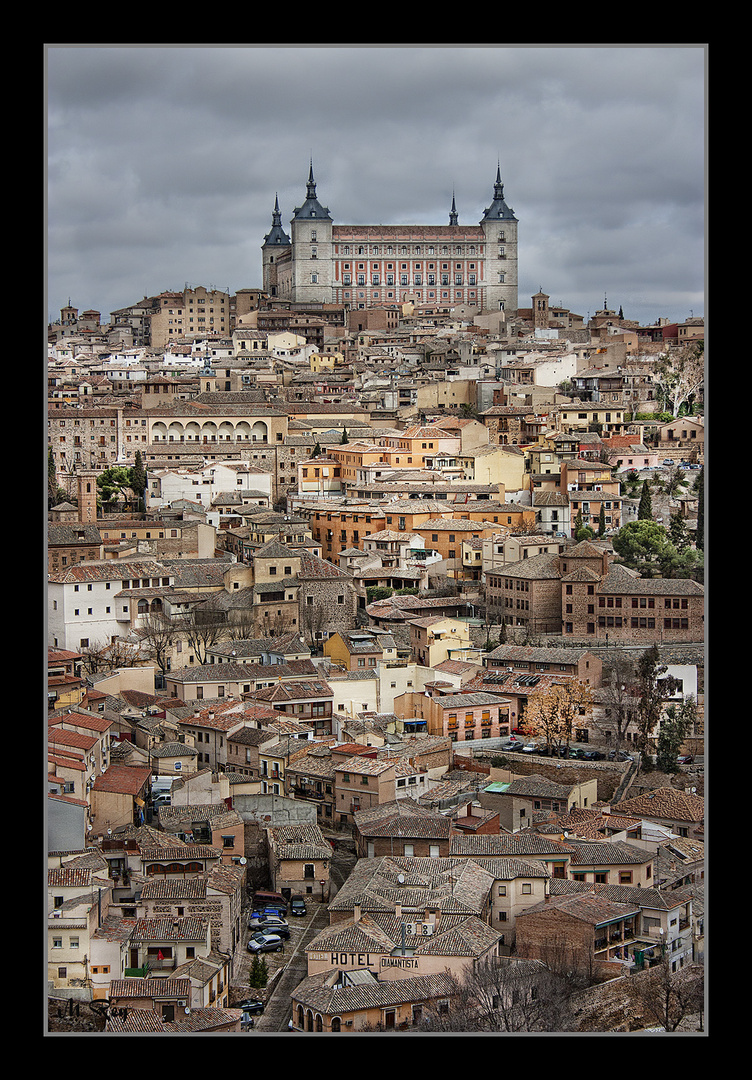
(498, 186)
(453, 213)
(311, 208)
(498, 208)
(276, 234)
(311, 185)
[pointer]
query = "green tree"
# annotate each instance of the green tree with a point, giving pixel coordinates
(652, 689)
(115, 483)
(345, 438)
(677, 531)
(138, 479)
(674, 480)
(699, 488)
(581, 530)
(316, 452)
(602, 521)
(55, 493)
(643, 546)
(645, 509)
(259, 974)
(678, 722)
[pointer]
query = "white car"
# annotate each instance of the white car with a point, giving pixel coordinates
(529, 748)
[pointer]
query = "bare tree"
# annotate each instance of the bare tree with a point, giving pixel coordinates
(551, 714)
(620, 700)
(680, 374)
(158, 633)
(110, 655)
(503, 994)
(203, 628)
(313, 621)
(668, 997)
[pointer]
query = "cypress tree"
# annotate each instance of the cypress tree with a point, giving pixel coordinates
(645, 510)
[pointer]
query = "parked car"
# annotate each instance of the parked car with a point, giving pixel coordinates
(270, 909)
(530, 748)
(297, 906)
(270, 924)
(250, 1006)
(264, 942)
(575, 752)
(592, 755)
(685, 759)
(668, 461)
(273, 902)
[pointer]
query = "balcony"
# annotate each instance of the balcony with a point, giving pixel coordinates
(137, 973)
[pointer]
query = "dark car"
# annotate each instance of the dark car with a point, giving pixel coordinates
(575, 752)
(270, 909)
(685, 759)
(250, 1006)
(592, 755)
(269, 924)
(297, 906)
(264, 942)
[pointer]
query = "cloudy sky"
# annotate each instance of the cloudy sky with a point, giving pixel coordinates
(164, 162)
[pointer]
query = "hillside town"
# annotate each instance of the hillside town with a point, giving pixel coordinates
(375, 653)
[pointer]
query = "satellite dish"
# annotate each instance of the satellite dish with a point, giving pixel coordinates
(243, 860)
(401, 879)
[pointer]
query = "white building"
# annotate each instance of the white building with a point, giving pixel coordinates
(91, 603)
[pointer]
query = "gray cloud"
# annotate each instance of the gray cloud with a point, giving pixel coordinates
(163, 163)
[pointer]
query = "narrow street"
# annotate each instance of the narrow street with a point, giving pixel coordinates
(292, 961)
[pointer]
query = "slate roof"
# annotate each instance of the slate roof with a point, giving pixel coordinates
(606, 853)
(656, 899)
(306, 842)
(520, 844)
(589, 907)
(317, 992)
(668, 803)
(457, 886)
(538, 786)
(189, 928)
(150, 988)
(403, 817)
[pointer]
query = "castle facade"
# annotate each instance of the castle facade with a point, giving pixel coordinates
(364, 266)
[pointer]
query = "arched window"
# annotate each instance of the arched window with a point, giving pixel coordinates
(336, 1023)
(319, 1022)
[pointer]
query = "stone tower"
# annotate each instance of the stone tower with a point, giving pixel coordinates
(87, 496)
(500, 228)
(540, 311)
(312, 249)
(275, 255)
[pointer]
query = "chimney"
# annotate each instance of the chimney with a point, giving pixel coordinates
(398, 910)
(357, 912)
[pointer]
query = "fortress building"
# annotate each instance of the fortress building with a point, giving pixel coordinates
(364, 266)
